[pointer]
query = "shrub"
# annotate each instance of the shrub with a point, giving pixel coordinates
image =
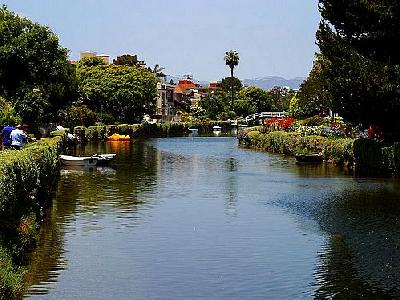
(338, 151)
(26, 179)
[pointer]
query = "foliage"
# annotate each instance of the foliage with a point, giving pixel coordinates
(216, 105)
(259, 99)
(370, 27)
(127, 93)
(361, 68)
(91, 61)
(229, 83)
(77, 114)
(314, 96)
(26, 179)
(197, 112)
(281, 97)
(338, 151)
(231, 59)
(32, 59)
(8, 114)
(126, 60)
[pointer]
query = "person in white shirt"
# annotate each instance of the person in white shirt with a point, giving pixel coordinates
(18, 137)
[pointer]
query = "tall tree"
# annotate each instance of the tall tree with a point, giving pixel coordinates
(356, 38)
(31, 59)
(122, 91)
(126, 60)
(232, 60)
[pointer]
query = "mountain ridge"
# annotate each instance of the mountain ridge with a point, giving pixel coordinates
(268, 82)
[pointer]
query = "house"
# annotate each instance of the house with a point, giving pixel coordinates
(104, 57)
(165, 101)
(183, 92)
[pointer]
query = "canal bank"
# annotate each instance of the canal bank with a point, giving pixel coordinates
(166, 129)
(365, 156)
(200, 218)
(27, 178)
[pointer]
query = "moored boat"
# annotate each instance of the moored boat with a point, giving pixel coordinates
(309, 158)
(86, 161)
(217, 128)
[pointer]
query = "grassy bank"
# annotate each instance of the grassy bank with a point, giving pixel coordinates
(338, 151)
(95, 133)
(26, 179)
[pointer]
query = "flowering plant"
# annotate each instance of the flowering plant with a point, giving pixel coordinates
(279, 123)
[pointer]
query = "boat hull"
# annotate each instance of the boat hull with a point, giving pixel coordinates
(67, 160)
(309, 158)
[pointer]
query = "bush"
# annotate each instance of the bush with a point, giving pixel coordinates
(338, 151)
(26, 177)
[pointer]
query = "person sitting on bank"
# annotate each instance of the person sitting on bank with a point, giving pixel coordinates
(6, 135)
(19, 137)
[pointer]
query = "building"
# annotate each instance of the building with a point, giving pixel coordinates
(183, 93)
(104, 57)
(165, 101)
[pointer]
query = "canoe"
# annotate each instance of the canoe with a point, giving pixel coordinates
(309, 158)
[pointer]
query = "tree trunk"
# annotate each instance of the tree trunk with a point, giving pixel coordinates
(232, 93)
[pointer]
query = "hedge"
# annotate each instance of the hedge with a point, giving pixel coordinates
(26, 179)
(96, 133)
(339, 151)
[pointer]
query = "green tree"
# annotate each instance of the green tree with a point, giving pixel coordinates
(8, 114)
(122, 91)
(370, 27)
(232, 60)
(281, 97)
(91, 61)
(216, 105)
(314, 96)
(362, 72)
(258, 100)
(31, 58)
(126, 60)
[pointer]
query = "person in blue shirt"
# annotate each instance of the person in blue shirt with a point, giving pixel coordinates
(18, 137)
(6, 135)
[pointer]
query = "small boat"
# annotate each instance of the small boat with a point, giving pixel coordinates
(86, 161)
(103, 159)
(309, 158)
(217, 128)
(119, 137)
(193, 130)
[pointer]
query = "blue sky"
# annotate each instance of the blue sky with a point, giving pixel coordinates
(273, 37)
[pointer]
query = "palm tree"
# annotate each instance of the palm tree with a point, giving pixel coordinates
(158, 71)
(231, 60)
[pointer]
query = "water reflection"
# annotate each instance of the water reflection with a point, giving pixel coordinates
(89, 194)
(361, 258)
(198, 218)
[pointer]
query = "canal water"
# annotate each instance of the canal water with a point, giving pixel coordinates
(201, 218)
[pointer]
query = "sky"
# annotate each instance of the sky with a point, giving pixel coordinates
(273, 37)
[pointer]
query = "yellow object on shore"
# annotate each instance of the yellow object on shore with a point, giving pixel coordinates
(118, 137)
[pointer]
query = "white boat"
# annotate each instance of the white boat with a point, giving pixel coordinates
(83, 161)
(217, 128)
(86, 161)
(193, 130)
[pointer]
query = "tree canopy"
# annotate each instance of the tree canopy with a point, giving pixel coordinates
(124, 92)
(126, 60)
(31, 59)
(361, 61)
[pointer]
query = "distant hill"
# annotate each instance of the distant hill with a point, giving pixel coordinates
(269, 82)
